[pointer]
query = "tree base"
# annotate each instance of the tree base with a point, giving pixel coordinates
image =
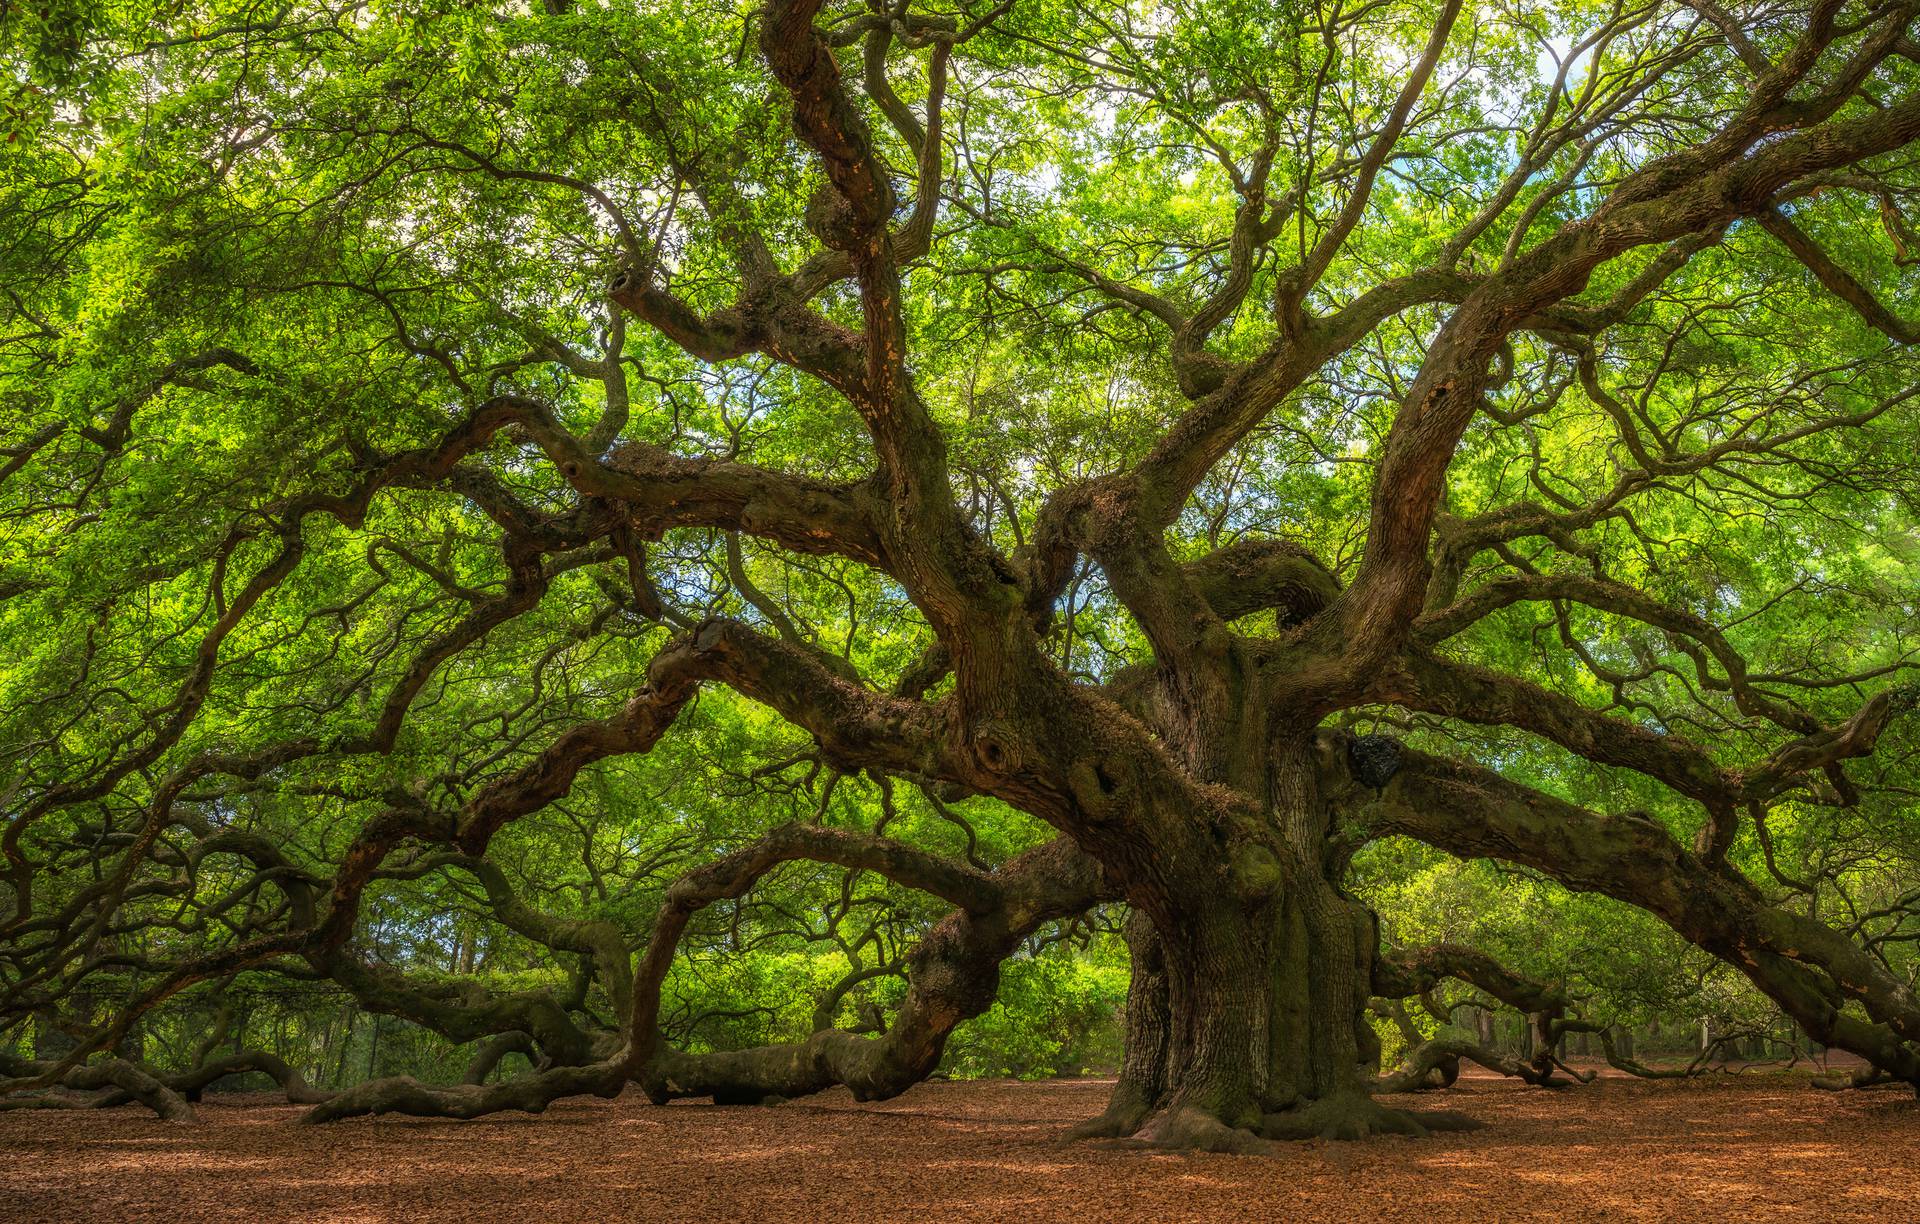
(1172, 1130)
(1191, 1130)
(1349, 1116)
(1127, 1111)
(1356, 1116)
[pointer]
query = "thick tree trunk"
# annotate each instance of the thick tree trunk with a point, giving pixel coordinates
(1253, 1025)
(1219, 1006)
(1247, 1015)
(1322, 1045)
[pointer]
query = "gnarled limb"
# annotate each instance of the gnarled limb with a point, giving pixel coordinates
(1804, 965)
(133, 1083)
(952, 973)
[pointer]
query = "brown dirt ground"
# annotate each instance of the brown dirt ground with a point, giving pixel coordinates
(1746, 1147)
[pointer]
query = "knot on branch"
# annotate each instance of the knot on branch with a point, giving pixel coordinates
(831, 219)
(996, 748)
(1374, 759)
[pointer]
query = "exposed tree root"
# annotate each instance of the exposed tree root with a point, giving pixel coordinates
(1124, 1116)
(1184, 1130)
(1347, 1116)
(1356, 1116)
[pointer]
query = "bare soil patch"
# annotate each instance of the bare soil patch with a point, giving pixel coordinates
(1729, 1148)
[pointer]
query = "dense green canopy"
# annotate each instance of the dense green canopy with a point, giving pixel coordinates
(924, 469)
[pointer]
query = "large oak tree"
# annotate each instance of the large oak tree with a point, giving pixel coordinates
(1225, 431)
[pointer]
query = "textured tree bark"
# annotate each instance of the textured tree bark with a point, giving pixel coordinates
(1142, 1087)
(1253, 971)
(1250, 1024)
(1219, 1005)
(1325, 1050)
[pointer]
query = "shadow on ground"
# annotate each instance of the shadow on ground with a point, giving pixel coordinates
(1761, 1147)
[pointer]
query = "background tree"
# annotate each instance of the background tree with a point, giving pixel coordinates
(1008, 460)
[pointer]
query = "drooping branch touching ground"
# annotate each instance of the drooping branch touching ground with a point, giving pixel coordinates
(1417, 972)
(1808, 968)
(108, 1074)
(952, 976)
(1550, 1015)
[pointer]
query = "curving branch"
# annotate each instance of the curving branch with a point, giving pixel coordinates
(1807, 967)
